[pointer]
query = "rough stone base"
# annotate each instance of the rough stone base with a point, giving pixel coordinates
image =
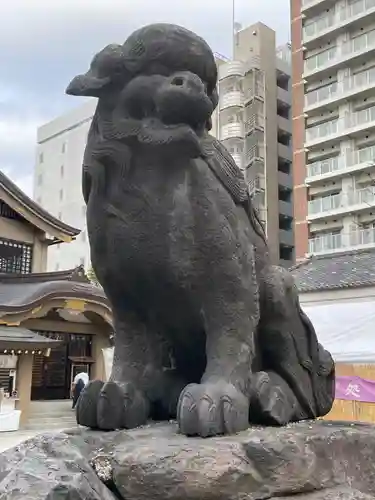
(315, 460)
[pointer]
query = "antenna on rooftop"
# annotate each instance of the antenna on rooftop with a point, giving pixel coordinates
(236, 27)
(233, 27)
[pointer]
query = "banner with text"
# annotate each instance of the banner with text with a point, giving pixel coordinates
(355, 389)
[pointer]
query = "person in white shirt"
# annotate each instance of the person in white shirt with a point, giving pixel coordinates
(79, 383)
(81, 376)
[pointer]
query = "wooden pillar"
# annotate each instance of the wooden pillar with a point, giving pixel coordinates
(100, 341)
(24, 381)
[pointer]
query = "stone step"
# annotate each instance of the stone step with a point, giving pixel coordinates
(52, 414)
(45, 405)
(53, 408)
(51, 427)
(50, 423)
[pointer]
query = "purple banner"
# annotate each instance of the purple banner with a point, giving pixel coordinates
(355, 389)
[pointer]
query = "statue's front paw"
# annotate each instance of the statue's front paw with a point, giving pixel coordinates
(212, 409)
(109, 406)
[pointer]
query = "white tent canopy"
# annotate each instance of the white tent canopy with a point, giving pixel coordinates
(345, 329)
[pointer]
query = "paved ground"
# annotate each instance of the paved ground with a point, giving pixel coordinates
(10, 439)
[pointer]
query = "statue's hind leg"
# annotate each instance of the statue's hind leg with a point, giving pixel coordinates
(272, 401)
(300, 380)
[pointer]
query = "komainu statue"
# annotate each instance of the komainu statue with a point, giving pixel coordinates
(207, 331)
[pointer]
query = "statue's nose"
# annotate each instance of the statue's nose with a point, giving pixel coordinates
(179, 81)
(187, 80)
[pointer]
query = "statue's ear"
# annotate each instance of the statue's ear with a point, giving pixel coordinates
(107, 66)
(214, 98)
(87, 85)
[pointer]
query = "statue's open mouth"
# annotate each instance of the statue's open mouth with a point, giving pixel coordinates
(162, 111)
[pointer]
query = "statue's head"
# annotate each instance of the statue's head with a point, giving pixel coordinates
(161, 85)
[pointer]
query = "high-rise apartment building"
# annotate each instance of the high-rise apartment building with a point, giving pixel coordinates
(333, 60)
(253, 119)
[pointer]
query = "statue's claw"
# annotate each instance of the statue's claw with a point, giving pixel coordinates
(211, 409)
(110, 406)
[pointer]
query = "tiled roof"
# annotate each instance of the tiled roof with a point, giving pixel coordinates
(23, 292)
(16, 194)
(77, 274)
(16, 335)
(329, 272)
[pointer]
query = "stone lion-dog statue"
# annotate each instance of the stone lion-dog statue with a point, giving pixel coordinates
(207, 330)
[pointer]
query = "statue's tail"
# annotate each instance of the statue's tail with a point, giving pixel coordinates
(322, 367)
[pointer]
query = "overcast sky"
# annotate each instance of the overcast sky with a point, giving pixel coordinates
(43, 43)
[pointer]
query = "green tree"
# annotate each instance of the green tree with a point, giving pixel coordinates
(90, 273)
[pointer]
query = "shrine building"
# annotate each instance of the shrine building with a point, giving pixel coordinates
(53, 325)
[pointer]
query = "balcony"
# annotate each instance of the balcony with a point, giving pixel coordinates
(307, 4)
(336, 56)
(256, 184)
(339, 204)
(234, 98)
(237, 157)
(332, 21)
(351, 124)
(255, 121)
(284, 96)
(339, 166)
(284, 124)
(232, 131)
(285, 180)
(286, 237)
(286, 208)
(231, 69)
(334, 243)
(254, 153)
(336, 92)
(284, 152)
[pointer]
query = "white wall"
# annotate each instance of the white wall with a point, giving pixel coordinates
(57, 181)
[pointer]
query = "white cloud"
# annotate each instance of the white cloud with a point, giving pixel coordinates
(212, 19)
(41, 56)
(15, 132)
(24, 182)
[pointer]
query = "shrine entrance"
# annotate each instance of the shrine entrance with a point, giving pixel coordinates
(53, 375)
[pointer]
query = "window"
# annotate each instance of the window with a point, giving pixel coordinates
(40, 179)
(283, 81)
(41, 158)
(283, 110)
(283, 166)
(62, 171)
(283, 138)
(15, 257)
(286, 253)
(285, 222)
(61, 194)
(285, 194)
